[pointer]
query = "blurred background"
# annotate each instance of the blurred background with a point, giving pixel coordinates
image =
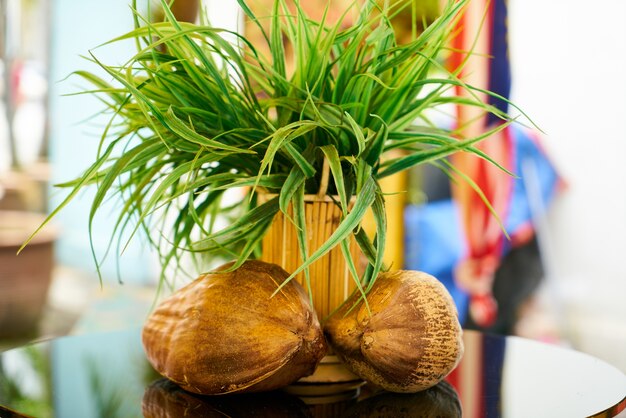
(566, 63)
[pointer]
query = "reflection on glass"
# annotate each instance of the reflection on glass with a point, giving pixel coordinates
(108, 395)
(438, 401)
(478, 377)
(163, 399)
(25, 381)
(107, 375)
(99, 375)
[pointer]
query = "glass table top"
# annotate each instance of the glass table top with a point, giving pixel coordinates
(107, 375)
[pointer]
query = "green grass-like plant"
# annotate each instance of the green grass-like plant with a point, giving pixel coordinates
(194, 114)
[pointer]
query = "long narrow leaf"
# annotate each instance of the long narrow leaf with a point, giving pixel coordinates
(335, 167)
(363, 201)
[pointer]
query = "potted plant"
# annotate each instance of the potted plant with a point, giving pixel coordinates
(194, 115)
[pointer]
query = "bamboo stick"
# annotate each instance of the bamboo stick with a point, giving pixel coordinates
(338, 263)
(331, 281)
(322, 270)
(291, 239)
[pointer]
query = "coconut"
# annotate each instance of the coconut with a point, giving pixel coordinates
(408, 340)
(226, 332)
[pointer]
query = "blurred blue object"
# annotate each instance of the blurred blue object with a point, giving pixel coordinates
(433, 243)
(434, 240)
(530, 160)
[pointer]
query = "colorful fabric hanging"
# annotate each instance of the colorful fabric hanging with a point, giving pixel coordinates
(481, 50)
(435, 239)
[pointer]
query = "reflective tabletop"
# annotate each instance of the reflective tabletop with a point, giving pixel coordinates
(107, 375)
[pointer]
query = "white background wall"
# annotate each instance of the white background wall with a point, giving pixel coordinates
(569, 58)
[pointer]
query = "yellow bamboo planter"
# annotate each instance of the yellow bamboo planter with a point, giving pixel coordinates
(330, 281)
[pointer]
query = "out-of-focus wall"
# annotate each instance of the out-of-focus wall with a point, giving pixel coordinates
(77, 27)
(568, 61)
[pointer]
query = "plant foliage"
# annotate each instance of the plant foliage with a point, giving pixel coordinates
(194, 114)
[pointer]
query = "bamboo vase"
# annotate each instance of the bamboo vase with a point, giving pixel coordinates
(330, 282)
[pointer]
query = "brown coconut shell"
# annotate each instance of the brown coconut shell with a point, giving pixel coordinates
(225, 333)
(411, 340)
